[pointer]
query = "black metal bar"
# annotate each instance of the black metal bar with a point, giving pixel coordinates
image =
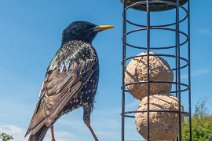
(178, 70)
(176, 63)
(148, 68)
(146, 82)
(164, 55)
(156, 81)
(157, 28)
(189, 71)
(123, 72)
(164, 111)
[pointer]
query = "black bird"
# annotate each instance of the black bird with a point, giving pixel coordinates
(71, 80)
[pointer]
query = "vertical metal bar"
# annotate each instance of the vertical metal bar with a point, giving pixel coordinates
(178, 67)
(123, 72)
(176, 60)
(189, 71)
(148, 69)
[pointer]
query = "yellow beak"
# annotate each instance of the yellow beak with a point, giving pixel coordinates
(103, 27)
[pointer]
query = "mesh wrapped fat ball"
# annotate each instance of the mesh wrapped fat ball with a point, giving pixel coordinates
(163, 125)
(137, 71)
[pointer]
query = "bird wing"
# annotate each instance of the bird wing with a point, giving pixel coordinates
(61, 84)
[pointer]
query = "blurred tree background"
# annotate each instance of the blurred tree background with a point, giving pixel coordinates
(5, 137)
(201, 124)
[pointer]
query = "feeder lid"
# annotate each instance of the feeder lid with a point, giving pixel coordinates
(155, 5)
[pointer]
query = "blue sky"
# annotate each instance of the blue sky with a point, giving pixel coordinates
(30, 34)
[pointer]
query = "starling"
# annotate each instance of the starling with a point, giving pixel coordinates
(71, 80)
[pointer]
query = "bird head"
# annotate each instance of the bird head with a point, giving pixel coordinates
(82, 30)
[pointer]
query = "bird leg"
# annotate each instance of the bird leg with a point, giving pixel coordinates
(52, 133)
(86, 118)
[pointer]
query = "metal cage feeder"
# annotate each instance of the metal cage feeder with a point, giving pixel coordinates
(181, 40)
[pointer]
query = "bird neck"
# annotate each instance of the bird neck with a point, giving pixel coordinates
(71, 37)
(64, 40)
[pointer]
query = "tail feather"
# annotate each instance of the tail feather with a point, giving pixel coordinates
(39, 136)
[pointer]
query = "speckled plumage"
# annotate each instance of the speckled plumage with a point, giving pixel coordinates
(76, 62)
(71, 80)
(84, 55)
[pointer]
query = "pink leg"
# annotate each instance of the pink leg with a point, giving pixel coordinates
(52, 133)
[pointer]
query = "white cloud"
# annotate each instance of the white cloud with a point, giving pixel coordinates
(197, 73)
(106, 124)
(73, 124)
(18, 134)
(63, 136)
(205, 32)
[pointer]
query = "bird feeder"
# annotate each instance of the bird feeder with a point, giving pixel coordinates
(154, 5)
(154, 72)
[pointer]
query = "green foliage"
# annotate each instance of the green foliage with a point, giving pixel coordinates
(201, 124)
(5, 137)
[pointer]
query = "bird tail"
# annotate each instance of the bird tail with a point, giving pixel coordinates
(39, 136)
